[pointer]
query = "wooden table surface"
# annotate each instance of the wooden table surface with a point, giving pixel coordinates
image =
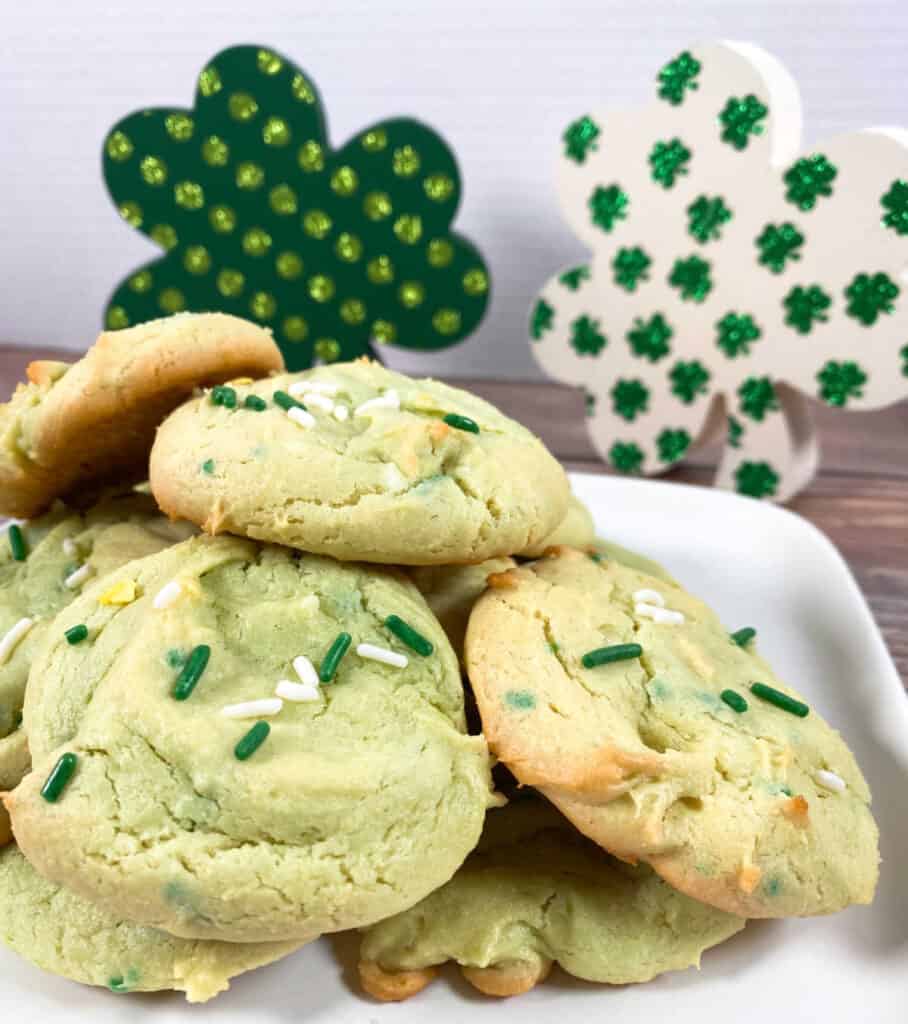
(859, 499)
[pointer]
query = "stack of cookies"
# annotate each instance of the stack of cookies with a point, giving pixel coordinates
(264, 638)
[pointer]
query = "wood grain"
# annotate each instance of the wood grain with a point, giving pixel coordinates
(859, 500)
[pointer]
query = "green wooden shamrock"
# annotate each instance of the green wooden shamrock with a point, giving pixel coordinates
(334, 250)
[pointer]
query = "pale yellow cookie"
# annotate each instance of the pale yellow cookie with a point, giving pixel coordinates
(674, 752)
(576, 530)
(73, 424)
(361, 463)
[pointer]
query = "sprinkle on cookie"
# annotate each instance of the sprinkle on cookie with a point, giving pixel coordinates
(17, 543)
(191, 672)
(409, 636)
(743, 636)
(332, 659)
(251, 742)
(79, 576)
(373, 653)
(59, 778)
(13, 636)
(779, 699)
(829, 780)
(608, 655)
(122, 592)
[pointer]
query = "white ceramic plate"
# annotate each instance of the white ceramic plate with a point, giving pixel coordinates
(759, 566)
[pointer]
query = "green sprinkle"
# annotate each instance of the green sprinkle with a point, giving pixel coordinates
(76, 634)
(17, 543)
(59, 778)
(781, 700)
(328, 668)
(596, 557)
(251, 742)
(734, 700)
(606, 655)
(208, 467)
(461, 423)
(121, 985)
(223, 395)
(192, 672)
(408, 635)
(520, 700)
(744, 636)
(286, 401)
(255, 403)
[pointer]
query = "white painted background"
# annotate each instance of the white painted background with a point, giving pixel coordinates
(499, 78)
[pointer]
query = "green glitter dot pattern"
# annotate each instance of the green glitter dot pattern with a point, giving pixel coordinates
(678, 77)
(257, 216)
(741, 119)
(649, 339)
(668, 162)
(808, 180)
(586, 338)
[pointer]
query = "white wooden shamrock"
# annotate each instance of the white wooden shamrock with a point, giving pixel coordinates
(727, 268)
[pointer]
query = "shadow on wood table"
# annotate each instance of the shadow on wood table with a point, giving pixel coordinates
(859, 500)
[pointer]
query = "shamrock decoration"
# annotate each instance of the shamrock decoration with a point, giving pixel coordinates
(334, 250)
(729, 273)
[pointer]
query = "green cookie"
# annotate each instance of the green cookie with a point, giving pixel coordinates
(33, 588)
(357, 462)
(534, 893)
(365, 796)
(67, 935)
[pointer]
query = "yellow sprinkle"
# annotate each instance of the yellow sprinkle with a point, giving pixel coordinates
(241, 381)
(123, 592)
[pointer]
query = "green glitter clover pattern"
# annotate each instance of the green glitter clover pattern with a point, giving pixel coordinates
(869, 295)
(779, 243)
(626, 456)
(677, 77)
(580, 138)
(630, 398)
(722, 286)
(895, 205)
(669, 161)
(586, 338)
(706, 216)
(806, 306)
(631, 266)
(334, 250)
(541, 320)
(756, 479)
(758, 397)
(841, 381)
(608, 205)
(808, 180)
(735, 334)
(672, 445)
(689, 380)
(649, 339)
(742, 118)
(574, 278)
(691, 277)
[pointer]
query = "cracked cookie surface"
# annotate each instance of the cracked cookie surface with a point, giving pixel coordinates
(67, 935)
(415, 473)
(536, 892)
(753, 809)
(357, 804)
(104, 537)
(73, 424)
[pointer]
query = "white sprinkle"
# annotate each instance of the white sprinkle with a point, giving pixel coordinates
(341, 412)
(313, 400)
(326, 387)
(69, 546)
(11, 640)
(77, 578)
(660, 615)
(829, 780)
(301, 417)
(394, 480)
(650, 596)
(389, 400)
(382, 654)
(254, 708)
(297, 693)
(304, 668)
(168, 594)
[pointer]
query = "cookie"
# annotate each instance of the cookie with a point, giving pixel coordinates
(535, 893)
(607, 549)
(43, 566)
(452, 590)
(376, 467)
(69, 936)
(662, 737)
(576, 530)
(175, 803)
(72, 424)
